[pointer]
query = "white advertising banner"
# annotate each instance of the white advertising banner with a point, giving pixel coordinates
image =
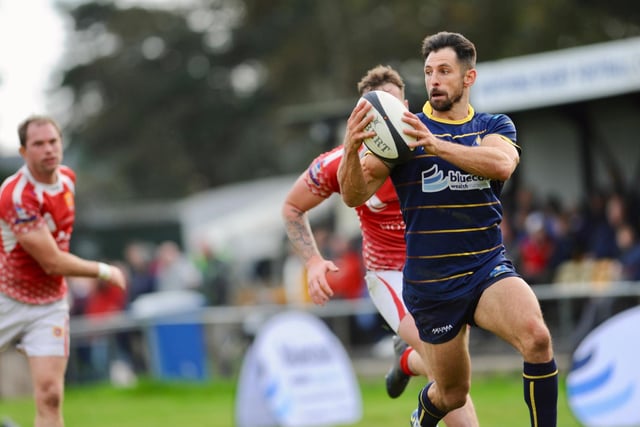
(297, 374)
(603, 386)
(558, 77)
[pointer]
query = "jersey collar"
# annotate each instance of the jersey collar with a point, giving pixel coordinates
(52, 188)
(427, 109)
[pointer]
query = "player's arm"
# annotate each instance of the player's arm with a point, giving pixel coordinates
(359, 178)
(496, 157)
(39, 243)
(297, 204)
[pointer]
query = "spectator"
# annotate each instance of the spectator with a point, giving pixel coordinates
(578, 269)
(104, 300)
(215, 271)
(535, 250)
(175, 271)
(627, 240)
(138, 260)
(561, 226)
(602, 219)
(141, 278)
(100, 299)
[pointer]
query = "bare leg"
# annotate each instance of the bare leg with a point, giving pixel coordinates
(47, 375)
(464, 416)
(511, 310)
(385, 290)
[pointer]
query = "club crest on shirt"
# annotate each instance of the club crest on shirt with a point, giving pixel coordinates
(57, 331)
(68, 199)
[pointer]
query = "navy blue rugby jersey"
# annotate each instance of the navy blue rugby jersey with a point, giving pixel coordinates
(452, 217)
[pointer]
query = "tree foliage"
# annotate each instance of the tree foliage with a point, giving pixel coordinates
(163, 103)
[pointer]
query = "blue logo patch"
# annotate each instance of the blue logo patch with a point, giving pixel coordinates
(498, 270)
(433, 180)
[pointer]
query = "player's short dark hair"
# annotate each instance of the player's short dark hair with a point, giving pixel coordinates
(465, 49)
(40, 119)
(378, 76)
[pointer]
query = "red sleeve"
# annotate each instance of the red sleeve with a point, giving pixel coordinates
(322, 175)
(20, 211)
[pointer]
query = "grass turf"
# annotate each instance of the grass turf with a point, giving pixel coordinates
(498, 400)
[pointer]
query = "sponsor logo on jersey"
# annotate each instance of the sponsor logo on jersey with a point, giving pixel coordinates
(22, 215)
(314, 170)
(434, 180)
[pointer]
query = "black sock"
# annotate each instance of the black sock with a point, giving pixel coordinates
(428, 414)
(541, 392)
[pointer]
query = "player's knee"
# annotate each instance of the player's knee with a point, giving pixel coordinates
(455, 397)
(48, 397)
(538, 342)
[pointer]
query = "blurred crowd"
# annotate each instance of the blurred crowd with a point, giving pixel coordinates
(152, 270)
(595, 243)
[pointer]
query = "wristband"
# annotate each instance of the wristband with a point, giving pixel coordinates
(104, 271)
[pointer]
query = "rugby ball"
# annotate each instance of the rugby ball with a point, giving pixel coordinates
(390, 142)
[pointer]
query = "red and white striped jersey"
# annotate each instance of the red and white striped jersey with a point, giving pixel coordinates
(25, 205)
(383, 245)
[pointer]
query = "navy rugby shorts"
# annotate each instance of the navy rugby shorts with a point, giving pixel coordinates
(439, 321)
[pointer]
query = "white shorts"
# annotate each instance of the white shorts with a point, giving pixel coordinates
(385, 290)
(36, 330)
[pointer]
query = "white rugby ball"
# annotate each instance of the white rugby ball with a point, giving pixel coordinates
(389, 142)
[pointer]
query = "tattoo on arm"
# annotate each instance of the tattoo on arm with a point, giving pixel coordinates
(299, 233)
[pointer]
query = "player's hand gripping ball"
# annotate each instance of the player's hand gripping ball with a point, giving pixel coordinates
(390, 142)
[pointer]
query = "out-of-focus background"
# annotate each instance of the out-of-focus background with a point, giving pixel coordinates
(188, 120)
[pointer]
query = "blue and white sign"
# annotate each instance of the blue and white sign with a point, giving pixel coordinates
(558, 77)
(297, 374)
(603, 385)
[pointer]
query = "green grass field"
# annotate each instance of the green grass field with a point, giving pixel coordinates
(498, 401)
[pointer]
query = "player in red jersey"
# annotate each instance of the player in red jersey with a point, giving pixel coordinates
(383, 247)
(36, 221)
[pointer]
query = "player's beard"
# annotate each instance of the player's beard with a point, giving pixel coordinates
(45, 170)
(447, 103)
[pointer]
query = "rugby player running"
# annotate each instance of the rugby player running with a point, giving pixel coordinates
(456, 270)
(383, 249)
